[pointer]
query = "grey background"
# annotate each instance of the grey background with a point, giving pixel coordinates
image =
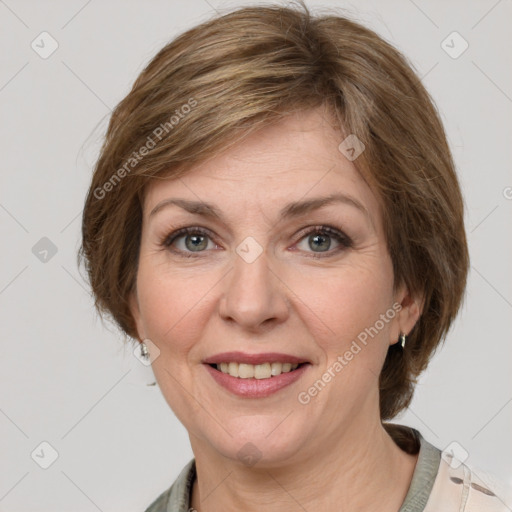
(70, 381)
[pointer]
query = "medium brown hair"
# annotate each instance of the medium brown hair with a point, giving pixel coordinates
(229, 76)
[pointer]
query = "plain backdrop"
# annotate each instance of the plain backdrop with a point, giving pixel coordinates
(69, 381)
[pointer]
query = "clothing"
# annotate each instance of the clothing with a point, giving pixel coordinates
(439, 483)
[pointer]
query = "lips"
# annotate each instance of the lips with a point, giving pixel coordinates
(254, 359)
(255, 388)
(261, 385)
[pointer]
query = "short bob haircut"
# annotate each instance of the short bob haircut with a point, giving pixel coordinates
(222, 80)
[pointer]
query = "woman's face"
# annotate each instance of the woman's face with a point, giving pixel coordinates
(276, 270)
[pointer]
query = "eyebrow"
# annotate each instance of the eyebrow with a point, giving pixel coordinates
(289, 211)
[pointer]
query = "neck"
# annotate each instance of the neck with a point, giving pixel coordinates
(359, 470)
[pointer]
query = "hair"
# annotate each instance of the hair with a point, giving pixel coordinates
(227, 77)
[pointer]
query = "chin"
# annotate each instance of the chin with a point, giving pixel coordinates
(257, 443)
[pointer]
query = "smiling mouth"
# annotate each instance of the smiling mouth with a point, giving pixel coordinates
(256, 371)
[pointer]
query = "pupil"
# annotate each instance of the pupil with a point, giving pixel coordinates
(321, 238)
(196, 242)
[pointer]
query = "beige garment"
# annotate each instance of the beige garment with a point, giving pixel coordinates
(459, 487)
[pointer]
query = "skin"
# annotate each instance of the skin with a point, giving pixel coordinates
(332, 453)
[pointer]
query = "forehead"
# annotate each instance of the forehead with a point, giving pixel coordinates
(296, 158)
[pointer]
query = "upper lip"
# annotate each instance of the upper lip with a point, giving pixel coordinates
(242, 357)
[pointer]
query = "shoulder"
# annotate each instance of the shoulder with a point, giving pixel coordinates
(459, 486)
(160, 504)
(177, 497)
(442, 482)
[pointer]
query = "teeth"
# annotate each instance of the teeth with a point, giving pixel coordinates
(232, 369)
(276, 368)
(257, 371)
(245, 371)
(262, 371)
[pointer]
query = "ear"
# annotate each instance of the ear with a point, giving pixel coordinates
(137, 317)
(409, 307)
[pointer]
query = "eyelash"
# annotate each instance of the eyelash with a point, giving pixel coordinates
(344, 241)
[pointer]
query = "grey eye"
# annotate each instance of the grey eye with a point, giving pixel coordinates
(320, 242)
(324, 239)
(196, 243)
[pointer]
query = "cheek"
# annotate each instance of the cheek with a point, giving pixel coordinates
(173, 310)
(348, 305)
(172, 304)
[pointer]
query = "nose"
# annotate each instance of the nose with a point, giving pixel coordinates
(254, 296)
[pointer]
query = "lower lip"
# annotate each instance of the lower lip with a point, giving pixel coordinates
(256, 388)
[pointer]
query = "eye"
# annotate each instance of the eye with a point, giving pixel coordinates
(187, 241)
(191, 241)
(319, 240)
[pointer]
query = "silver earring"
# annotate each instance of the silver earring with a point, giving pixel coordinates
(144, 352)
(402, 339)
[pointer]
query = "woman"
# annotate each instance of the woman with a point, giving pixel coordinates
(276, 218)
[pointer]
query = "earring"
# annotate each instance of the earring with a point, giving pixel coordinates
(144, 352)
(402, 339)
